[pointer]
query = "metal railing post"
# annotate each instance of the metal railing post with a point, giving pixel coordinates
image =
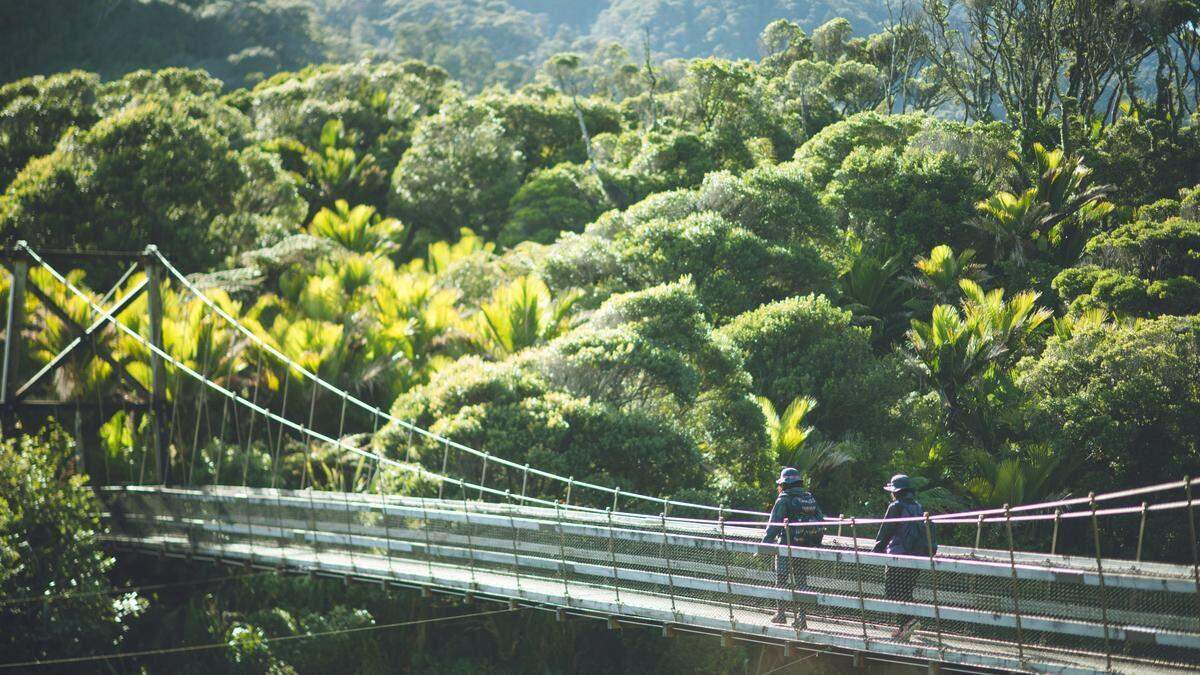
(662, 552)
(428, 539)
(612, 554)
(1191, 516)
(791, 573)
(562, 552)
(12, 327)
(978, 532)
(483, 474)
(570, 484)
(1054, 537)
(616, 495)
(728, 575)
(1016, 593)
(937, 611)
(512, 524)
(1100, 572)
(1141, 532)
(470, 540)
(524, 482)
(445, 458)
(157, 379)
(862, 605)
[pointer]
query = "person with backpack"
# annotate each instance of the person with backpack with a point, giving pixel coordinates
(793, 504)
(908, 538)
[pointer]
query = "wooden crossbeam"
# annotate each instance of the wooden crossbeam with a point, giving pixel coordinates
(87, 335)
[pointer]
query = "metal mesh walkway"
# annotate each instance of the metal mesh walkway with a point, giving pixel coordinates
(1055, 614)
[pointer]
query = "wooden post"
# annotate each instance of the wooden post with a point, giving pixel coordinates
(12, 328)
(157, 378)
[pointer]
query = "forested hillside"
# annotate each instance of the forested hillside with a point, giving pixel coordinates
(875, 246)
(478, 41)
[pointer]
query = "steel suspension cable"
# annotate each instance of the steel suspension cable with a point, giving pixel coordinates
(402, 423)
(999, 512)
(225, 645)
(255, 408)
(954, 518)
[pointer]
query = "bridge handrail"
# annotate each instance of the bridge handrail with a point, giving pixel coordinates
(1179, 578)
(986, 515)
(106, 315)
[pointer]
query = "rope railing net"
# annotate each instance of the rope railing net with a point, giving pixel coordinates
(1089, 597)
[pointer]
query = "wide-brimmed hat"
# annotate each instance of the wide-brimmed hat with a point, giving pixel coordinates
(788, 476)
(898, 483)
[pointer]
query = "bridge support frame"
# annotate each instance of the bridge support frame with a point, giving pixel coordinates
(13, 324)
(14, 393)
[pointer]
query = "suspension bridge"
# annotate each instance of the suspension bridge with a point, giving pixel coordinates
(528, 537)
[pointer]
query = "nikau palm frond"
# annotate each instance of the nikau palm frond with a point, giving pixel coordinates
(522, 315)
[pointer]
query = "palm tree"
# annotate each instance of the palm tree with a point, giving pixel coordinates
(958, 351)
(1014, 222)
(359, 229)
(1049, 206)
(939, 274)
(1066, 326)
(1020, 478)
(335, 170)
(521, 315)
(789, 440)
(871, 288)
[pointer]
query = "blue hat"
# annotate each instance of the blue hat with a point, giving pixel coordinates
(788, 476)
(899, 483)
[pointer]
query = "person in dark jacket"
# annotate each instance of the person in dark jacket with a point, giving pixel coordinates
(902, 539)
(793, 504)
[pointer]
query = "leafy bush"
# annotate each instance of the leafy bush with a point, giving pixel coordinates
(53, 569)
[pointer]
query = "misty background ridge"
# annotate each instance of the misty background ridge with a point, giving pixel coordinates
(480, 42)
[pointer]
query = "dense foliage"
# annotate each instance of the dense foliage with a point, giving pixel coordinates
(53, 570)
(926, 249)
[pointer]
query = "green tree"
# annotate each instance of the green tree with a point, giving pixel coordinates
(806, 346)
(53, 568)
(461, 171)
(104, 187)
(1121, 397)
(1141, 268)
(734, 269)
(561, 199)
(964, 354)
(35, 112)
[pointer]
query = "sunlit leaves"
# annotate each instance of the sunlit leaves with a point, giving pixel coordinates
(359, 229)
(521, 315)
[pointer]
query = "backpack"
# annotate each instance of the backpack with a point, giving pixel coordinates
(802, 508)
(913, 538)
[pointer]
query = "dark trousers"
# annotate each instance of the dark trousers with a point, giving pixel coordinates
(898, 584)
(791, 575)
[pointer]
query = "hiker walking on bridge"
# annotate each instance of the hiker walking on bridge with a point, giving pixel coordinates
(908, 538)
(793, 504)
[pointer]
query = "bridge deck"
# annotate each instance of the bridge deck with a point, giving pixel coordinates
(677, 573)
(821, 630)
